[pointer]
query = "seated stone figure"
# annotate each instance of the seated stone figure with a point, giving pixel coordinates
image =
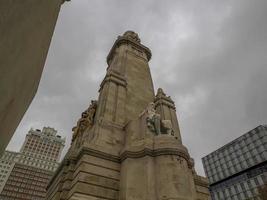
(154, 122)
(153, 119)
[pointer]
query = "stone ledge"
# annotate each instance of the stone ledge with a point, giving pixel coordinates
(123, 40)
(83, 196)
(126, 154)
(154, 153)
(115, 78)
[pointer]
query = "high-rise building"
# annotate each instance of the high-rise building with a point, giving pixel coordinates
(25, 36)
(43, 144)
(236, 170)
(127, 144)
(26, 174)
(7, 162)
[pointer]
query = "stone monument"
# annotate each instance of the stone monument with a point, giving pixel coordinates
(127, 144)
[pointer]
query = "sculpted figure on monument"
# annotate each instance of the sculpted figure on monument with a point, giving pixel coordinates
(160, 93)
(86, 120)
(153, 119)
(132, 35)
(91, 112)
(154, 122)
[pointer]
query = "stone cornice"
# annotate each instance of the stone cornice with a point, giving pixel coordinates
(109, 124)
(199, 181)
(135, 54)
(124, 40)
(134, 154)
(115, 78)
(164, 97)
(166, 101)
(157, 152)
(126, 154)
(98, 154)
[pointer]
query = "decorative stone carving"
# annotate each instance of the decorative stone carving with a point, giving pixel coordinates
(180, 159)
(86, 120)
(167, 127)
(154, 122)
(153, 119)
(132, 36)
(161, 94)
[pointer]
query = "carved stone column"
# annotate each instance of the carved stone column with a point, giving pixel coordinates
(129, 58)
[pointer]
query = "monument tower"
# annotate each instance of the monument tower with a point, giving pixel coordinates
(127, 144)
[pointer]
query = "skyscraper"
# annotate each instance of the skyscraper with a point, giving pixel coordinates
(237, 169)
(30, 170)
(127, 144)
(43, 144)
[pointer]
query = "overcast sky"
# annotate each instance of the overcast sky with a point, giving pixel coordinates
(209, 56)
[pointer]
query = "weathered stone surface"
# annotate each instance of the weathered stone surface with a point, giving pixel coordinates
(133, 151)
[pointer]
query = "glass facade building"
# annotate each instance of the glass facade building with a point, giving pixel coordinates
(237, 169)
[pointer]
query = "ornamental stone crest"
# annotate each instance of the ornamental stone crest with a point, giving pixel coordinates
(132, 36)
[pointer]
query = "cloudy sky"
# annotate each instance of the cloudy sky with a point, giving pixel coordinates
(209, 56)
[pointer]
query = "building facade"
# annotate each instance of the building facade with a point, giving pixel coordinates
(127, 144)
(30, 170)
(7, 162)
(237, 169)
(45, 144)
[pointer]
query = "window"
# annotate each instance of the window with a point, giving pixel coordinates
(256, 181)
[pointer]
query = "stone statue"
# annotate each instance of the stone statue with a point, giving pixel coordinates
(86, 120)
(153, 119)
(154, 122)
(160, 93)
(132, 35)
(91, 112)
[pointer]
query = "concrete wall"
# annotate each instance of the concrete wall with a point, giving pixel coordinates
(26, 29)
